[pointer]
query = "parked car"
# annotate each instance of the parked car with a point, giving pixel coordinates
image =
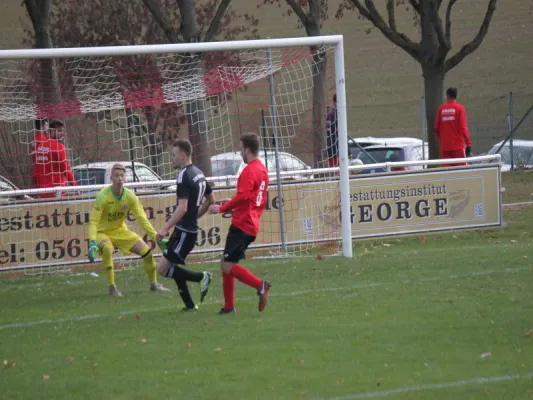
(355, 144)
(392, 153)
(522, 154)
(99, 173)
(231, 164)
(6, 186)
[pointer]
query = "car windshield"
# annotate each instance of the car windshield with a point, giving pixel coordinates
(225, 167)
(522, 155)
(381, 155)
(90, 176)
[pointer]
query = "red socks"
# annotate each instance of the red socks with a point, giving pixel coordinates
(245, 276)
(228, 284)
(228, 287)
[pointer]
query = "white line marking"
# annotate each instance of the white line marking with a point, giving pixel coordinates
(524, 203)
(435, 386)
(27, 324)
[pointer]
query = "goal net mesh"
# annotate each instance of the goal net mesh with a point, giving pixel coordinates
(130, 109)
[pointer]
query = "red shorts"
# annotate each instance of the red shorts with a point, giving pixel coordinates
(333, 162)
(460, 153)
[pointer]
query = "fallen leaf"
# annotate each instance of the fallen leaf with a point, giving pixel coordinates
(9, 364)
(218, 349)
(120, 317)
(513, 241)
(423, 240)
(319, 257)
(524, 256)
(142, 340)
(529, 333)
(387, 245)
(188, 345)
(46, 377)
(69, 359)
(485, 355)
(340, 380)
(300, 362)
(259, 321)
(137, 316)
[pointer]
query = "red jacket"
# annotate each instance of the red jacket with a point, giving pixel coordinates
(249, 201)
(50, 164)
(451, 128)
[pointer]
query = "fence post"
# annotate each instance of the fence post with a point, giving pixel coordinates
(510, 123)
(424, 125)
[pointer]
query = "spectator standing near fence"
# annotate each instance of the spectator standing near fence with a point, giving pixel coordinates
(50, 164)
(332, 136)
(452, 129)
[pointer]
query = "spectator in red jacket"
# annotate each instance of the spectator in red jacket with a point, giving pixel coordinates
(50, 165)
(452, 130)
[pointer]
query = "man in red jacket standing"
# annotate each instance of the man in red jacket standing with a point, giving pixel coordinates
(452, 130)
(50, 165)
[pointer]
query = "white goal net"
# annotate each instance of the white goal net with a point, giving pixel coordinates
(128, 104)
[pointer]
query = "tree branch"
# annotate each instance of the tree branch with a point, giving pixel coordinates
(217, 19)
(390, 11)
(155, 10)
(448, 23)
(298, 11)
(437, 25)
(416, 5)
(369, 12)
(476, 42)
(33, 11)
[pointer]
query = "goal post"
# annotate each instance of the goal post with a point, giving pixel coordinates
(128, 103)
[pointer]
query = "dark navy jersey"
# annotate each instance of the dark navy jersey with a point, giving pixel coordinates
(332, 134)
(193, 187)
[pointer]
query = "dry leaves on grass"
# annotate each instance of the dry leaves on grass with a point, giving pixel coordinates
(218, 349)
(319, 257)
(137, 317)
(46, 377)
(142, 340)
(69, 359)
(9, 364)
(423, 240)
(188, 345)
(529, 333)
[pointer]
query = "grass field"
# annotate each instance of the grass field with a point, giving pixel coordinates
(441, 317)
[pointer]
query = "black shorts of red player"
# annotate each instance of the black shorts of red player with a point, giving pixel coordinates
(237, 242)
(179, 246)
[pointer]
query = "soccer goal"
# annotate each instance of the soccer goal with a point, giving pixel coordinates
(128, 103)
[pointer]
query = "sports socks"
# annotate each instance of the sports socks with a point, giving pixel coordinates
(181, 276)
(228, 287)
(149, 264)
(245, 276)
(107, 263)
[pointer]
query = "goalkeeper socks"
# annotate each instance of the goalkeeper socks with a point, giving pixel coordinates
(107, 262)
(149, 264)
(245, 276)
(228, 287)
(184, 274)
(185, 295)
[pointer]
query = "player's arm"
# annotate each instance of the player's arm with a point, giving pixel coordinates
(183, 202)
(139, 214)
(463, 128)
(94, 221)
(245, 188)
(208, 200)
(65, 166)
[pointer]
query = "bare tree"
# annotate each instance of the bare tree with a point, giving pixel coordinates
(310, 14)
(431, 51)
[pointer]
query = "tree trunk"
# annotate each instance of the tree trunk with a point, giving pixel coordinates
(433, 93)
(319, 106)
(198, 126)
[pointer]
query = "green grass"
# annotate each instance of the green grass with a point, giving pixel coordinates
(398, 317)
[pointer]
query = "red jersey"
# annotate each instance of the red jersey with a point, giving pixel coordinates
(451, 127)
(50, 164)
(249, 201)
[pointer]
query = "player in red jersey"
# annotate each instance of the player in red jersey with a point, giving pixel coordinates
(50, 165)
(452, 129)
(247, 205)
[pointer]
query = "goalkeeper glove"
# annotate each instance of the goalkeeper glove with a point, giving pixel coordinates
(162, 244)
(468, 151)
(93, 249)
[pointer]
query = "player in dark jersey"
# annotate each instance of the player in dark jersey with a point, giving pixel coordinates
(247, 205)
(191, 190)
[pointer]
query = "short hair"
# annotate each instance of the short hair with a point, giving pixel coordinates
(335, 98)
(451, 93)
(251, 141)
(40, 124)
(118, 167)
(56, 123)
(184, 145)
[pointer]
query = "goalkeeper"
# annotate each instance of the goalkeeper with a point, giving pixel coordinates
(107, 229)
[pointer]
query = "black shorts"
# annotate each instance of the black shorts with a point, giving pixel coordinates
(237, 242)
(179, 246)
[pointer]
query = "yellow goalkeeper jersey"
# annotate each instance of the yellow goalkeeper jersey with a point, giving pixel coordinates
(109, 212)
